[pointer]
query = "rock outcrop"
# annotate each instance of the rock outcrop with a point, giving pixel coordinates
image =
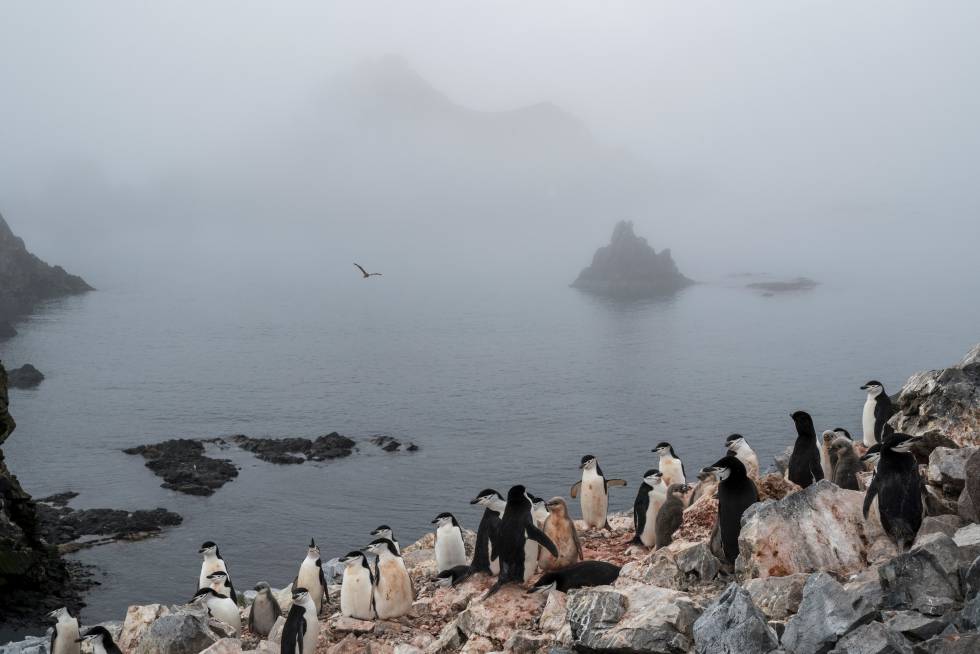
(27, 376)
(947, 401)
(26, 281)
(629, 268)
(184, 467)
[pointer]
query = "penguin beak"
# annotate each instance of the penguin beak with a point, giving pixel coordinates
(864, 387)
(312, 543)
(436, 521)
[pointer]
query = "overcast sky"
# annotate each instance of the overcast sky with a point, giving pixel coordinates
(763, 127)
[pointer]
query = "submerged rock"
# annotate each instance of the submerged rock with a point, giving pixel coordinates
(61, 524)
(297, 450)
(819, 528)
(629, 268)
(184, 467)
(798, 284)
(27, 376)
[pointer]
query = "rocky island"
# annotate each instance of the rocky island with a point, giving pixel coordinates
(629, 268)
(25, 280)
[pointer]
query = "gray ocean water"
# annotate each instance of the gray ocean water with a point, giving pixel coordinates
(497, 385)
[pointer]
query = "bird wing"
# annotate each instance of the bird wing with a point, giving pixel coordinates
(615, 482)
(363, 272)
(640, 506)
(870, 495)
(323, 580)
(294, 630)
(536, 534)
(575, 488)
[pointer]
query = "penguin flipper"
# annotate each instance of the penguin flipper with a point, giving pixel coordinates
(54, 635)
(537, 535)
(578, 544)
(575, 489)
(615, 482)
(323, 582)
(869, 496)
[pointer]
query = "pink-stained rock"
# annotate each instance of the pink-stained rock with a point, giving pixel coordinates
(344, 624)
(137, 622)
(497, 617)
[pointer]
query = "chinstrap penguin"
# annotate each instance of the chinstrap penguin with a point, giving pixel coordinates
(539, 513)
(577, 575)
(897, 486)
(310, 576)
(594, 489)
(449, 548)
(671, 467)
(494, 505)
(302, 628)
(877, 410)
(736, 493)
(745, 454)
(671, 514)
(384, 531)
(393, 592)
(804, 463)
(220, 582)
(264, 610)
(516, 527)
(64, 636)
(357, 587)
(212, 563)
(100, 640)
(221, 607)
(649, 499)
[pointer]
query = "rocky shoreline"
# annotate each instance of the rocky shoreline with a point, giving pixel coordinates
(812, 576)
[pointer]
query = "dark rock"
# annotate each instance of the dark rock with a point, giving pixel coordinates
(968, 505)
(27, 376)
(6, 330)
(297, 450)
(827, 612)
(950, 644)
(59, 499)
(777, 597)
(798, 284)
(873, 638)
(386, 443)
(913, 625)
(971, 579)
(940, 524)
(629, 268)
(26, 281)
(947, 401)
(925, 579)
(969, 618)
(331, 446)
(936, 503)
(732, 624)
(63, 525)
(184, 467)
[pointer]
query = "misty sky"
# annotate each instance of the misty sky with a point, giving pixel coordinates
(819, 138)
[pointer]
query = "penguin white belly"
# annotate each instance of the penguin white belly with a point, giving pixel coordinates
(450, 551)
(209, 567)
(595, 502)
(393, 594)
(355, 593)
(657, 498)
(309, 578)
(98, 647)
(531, 552)
(750, 461)
(67, 634)
(868, 422)
(672, 471)
(226, 611)
(312, 632)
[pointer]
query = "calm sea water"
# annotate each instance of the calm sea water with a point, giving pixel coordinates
(497, 385)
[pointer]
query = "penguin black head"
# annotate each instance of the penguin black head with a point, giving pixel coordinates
(208, 547)
(843, 432)
(96, 633)
(728, 467)
(381, 545)
(218, 575)
(804, 424)
(299, 594)
(486, 496)
(262, 585)
(57, 614)
(652, 477)
(588, 461)
(356, 556)
(517, 497)
(204, 593)
(664, 448)
(900, 443)
(444, 519)
(873, 453)
(874, 388)
(734, 438)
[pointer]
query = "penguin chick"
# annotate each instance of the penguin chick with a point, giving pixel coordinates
(847, 464)
(745, 454)
(560, 528)
(100, 640)
(449, 548)
(671, 467)
(828, 458)
(671, 514)
(707, 486)
(594, 488)
(220, 607)
(310, 576)
(577, 575)
(64, 636)
(302, 628)
(357, 587)
(804, 463)
(264, 611)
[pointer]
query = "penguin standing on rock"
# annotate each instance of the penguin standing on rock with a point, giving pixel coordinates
(311, 577)
(494, 505)
(847, 465)
(736, 493)
(897, 486)
(745, 454)
(560, 528)
(384, 531)
(450, 551)
(302, 628)
(671, 514)
(264, 611)
(64, 637)
(220, 607)
(212, 563)
(877, 410)
(671, 467)
(101, 641)
(649, 499)
(393, 592)
(220, 582)
(516, 528)
(357, 588)
(594, 488)
(804, 463)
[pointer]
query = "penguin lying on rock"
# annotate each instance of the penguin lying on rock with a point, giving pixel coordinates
(578, 575)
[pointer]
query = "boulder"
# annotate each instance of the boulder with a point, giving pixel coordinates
(968, 504)
(819, 528)
(732, 624)
(477, 645)
(936, 502)
(947, 468)
(344, 624)
(971, 579)
(938, 524)
(925, 579)
(635, 619)
(777, 597)
(137, 622)
(554, 614)
(526, 642)
(450, 639)
(873, 638)
(969, 618)
(497, 617)
(186, 631)
(827, 612)
(968, 540)
(675, 566)
(225, 646)
(913, 625)
(947, 401)
(954, 643)
(275, 634)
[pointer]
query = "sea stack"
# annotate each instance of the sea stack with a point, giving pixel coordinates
(629, 268)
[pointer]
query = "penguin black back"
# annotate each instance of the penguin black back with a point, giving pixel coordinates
(578, 575)
(485, 534)
(736, 493)
(804, 462)
(897, 486)
(294, 629)
(516, 527)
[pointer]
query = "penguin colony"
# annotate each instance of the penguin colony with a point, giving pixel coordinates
(522, 534)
